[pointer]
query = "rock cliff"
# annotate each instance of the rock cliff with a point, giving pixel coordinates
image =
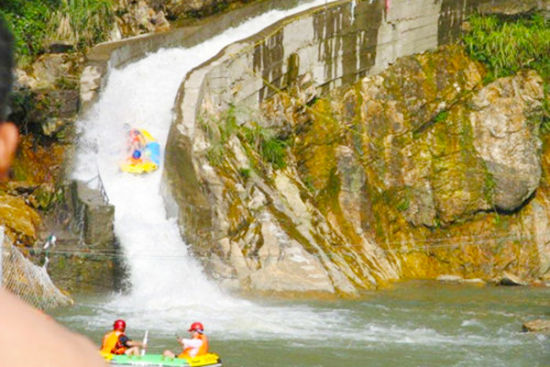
(414, 172)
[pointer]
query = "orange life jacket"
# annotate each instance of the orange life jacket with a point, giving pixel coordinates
(203, 349)
(111, 343)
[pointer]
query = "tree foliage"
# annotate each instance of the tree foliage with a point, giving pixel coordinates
(36, 22)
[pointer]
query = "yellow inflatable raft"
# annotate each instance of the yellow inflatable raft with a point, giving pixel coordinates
(144, 153)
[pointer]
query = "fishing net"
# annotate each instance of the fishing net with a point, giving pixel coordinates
(27, 280)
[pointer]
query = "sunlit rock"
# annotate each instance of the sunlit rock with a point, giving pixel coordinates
(537, 326)
(505, 125)
(90, 82)
(19, 218)
(138, 17)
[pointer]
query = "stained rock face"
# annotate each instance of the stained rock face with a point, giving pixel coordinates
(421, 145)
(453, 150)
(416, 132)
(410, 173)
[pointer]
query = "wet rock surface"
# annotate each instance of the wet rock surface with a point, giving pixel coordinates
(85, 257)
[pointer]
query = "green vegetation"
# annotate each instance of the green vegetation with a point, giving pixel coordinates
(255, 138)
(509, 46)
(215, 154)
(28, 20)
(86, 22)
(36, 22)
(245, 173)
(441, 116)
(270, 146)
(506, 46)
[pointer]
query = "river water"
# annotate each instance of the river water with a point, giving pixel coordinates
(414, 324)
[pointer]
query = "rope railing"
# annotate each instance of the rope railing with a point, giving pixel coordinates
(100, 187)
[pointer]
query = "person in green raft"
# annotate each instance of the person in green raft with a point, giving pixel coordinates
(194, 347)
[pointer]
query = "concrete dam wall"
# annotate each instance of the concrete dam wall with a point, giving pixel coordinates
(338, 44)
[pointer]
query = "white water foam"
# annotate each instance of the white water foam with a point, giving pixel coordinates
(164, 278)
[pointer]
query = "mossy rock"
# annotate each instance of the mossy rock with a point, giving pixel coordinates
(20, 219)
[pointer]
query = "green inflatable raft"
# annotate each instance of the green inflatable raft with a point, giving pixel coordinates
(157, 360)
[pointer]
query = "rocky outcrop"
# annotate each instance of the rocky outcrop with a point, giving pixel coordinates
(21, 222)
(196, 8)
(86, 255)
(137, 17)
(505, 126)
(537, 326)
(444, 161)
(510, 280)
(45, 99)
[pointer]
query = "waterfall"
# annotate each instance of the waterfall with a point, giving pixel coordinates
(164, 278)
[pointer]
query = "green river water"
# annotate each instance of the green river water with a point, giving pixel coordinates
(413, 324)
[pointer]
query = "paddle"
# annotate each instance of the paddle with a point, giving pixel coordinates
(144, 342)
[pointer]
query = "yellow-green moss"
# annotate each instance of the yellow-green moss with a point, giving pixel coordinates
(316, 147)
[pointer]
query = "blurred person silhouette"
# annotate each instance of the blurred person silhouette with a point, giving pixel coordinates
(28, 337)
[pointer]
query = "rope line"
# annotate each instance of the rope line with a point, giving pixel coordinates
(486, 241)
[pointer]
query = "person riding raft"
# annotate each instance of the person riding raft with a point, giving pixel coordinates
(194, 347)
(116, 342)
(136, 143)
(142, 152)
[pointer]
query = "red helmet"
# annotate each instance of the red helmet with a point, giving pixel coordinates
(196, 326)
(119, 325)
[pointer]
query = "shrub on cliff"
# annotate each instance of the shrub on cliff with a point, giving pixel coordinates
(28, 21)
(508, 46)
(34, 23)
(82, 22)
